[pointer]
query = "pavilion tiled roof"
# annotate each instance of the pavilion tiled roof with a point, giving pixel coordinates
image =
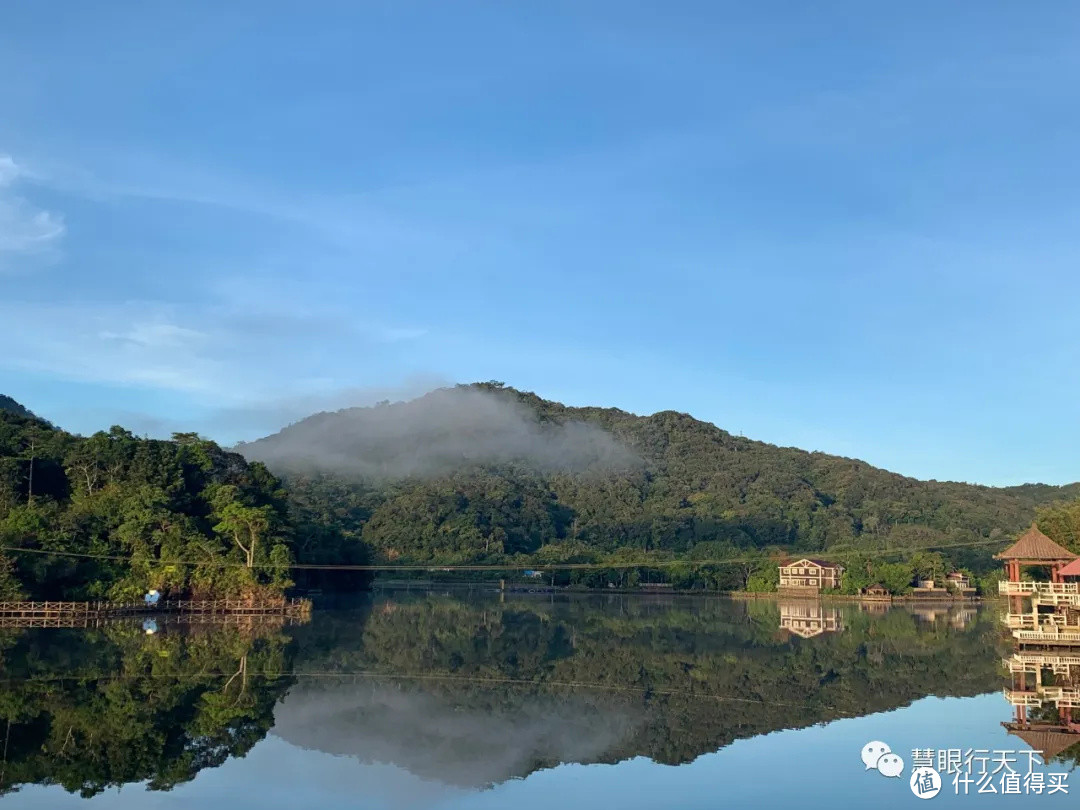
(1051, 743)
(1034, 545)
(1071, 570)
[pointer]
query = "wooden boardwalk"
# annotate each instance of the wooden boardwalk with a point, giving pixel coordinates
(80, 614)
(89, 621)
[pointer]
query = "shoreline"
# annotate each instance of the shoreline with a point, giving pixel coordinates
(844, 597)
(493, 587)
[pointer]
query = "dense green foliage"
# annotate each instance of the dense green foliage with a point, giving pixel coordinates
(182, 516)
(89, 710)
(1061, 522)
(679, 489)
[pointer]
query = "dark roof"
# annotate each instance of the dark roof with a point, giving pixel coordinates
(1034, 545)
(1051, 743)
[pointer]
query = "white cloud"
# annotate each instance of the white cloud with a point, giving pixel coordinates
(24, 228)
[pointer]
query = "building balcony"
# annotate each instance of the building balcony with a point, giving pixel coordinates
(1020, 621)
(1051, 636)
(1064, 697)
(1032, 662)
(1039, 621)
(1022, 697)
(1047, 593)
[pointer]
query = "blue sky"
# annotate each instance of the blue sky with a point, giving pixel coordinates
(849, 227)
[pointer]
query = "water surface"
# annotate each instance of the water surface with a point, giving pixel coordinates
(478, 699)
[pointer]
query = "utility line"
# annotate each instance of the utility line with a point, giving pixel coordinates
(617, 564)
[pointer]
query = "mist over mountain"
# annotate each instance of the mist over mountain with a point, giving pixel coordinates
(474, 472)
(470, 747)
(438, 434)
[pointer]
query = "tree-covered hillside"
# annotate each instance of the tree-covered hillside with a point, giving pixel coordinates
(485, 473)
(473, 474)
(11, 406)
(111, 515)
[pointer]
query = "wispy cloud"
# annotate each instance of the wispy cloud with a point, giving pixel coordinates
(134, 344)
(24, 228)
(155, 335)
(216, 353)
(398, 334)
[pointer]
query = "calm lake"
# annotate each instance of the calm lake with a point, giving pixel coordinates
(476, 699)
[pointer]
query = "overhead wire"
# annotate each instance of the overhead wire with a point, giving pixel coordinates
(508, 566)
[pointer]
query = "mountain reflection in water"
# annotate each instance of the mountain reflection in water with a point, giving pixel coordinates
(471, 689)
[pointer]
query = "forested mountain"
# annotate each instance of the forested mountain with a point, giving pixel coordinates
(111, 515)
(485, 472)
(473, 474)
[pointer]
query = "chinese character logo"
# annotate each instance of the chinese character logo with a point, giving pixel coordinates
(880, 757)
(925, 782)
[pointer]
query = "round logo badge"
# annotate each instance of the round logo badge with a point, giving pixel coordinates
(925, 783)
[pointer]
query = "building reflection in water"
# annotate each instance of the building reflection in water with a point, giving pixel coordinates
(807, 619)
(957, 616)
(1044, 691)
(1044, 620)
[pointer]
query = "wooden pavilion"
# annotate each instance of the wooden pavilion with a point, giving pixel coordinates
(1047, 675)
(1041, 612)
(1033, 548)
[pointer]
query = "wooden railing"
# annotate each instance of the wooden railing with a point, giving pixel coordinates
(1021, 697)
(90, 620)
(284, 607)
(1037, 661)
(1066, 697)
(1008, 588)
(1020, 621)
(1049, 635)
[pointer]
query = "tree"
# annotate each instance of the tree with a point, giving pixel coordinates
(10, 588)
(1061, 522)
(928, 565)
(112, 514)
(896, 577)
(246, 525)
